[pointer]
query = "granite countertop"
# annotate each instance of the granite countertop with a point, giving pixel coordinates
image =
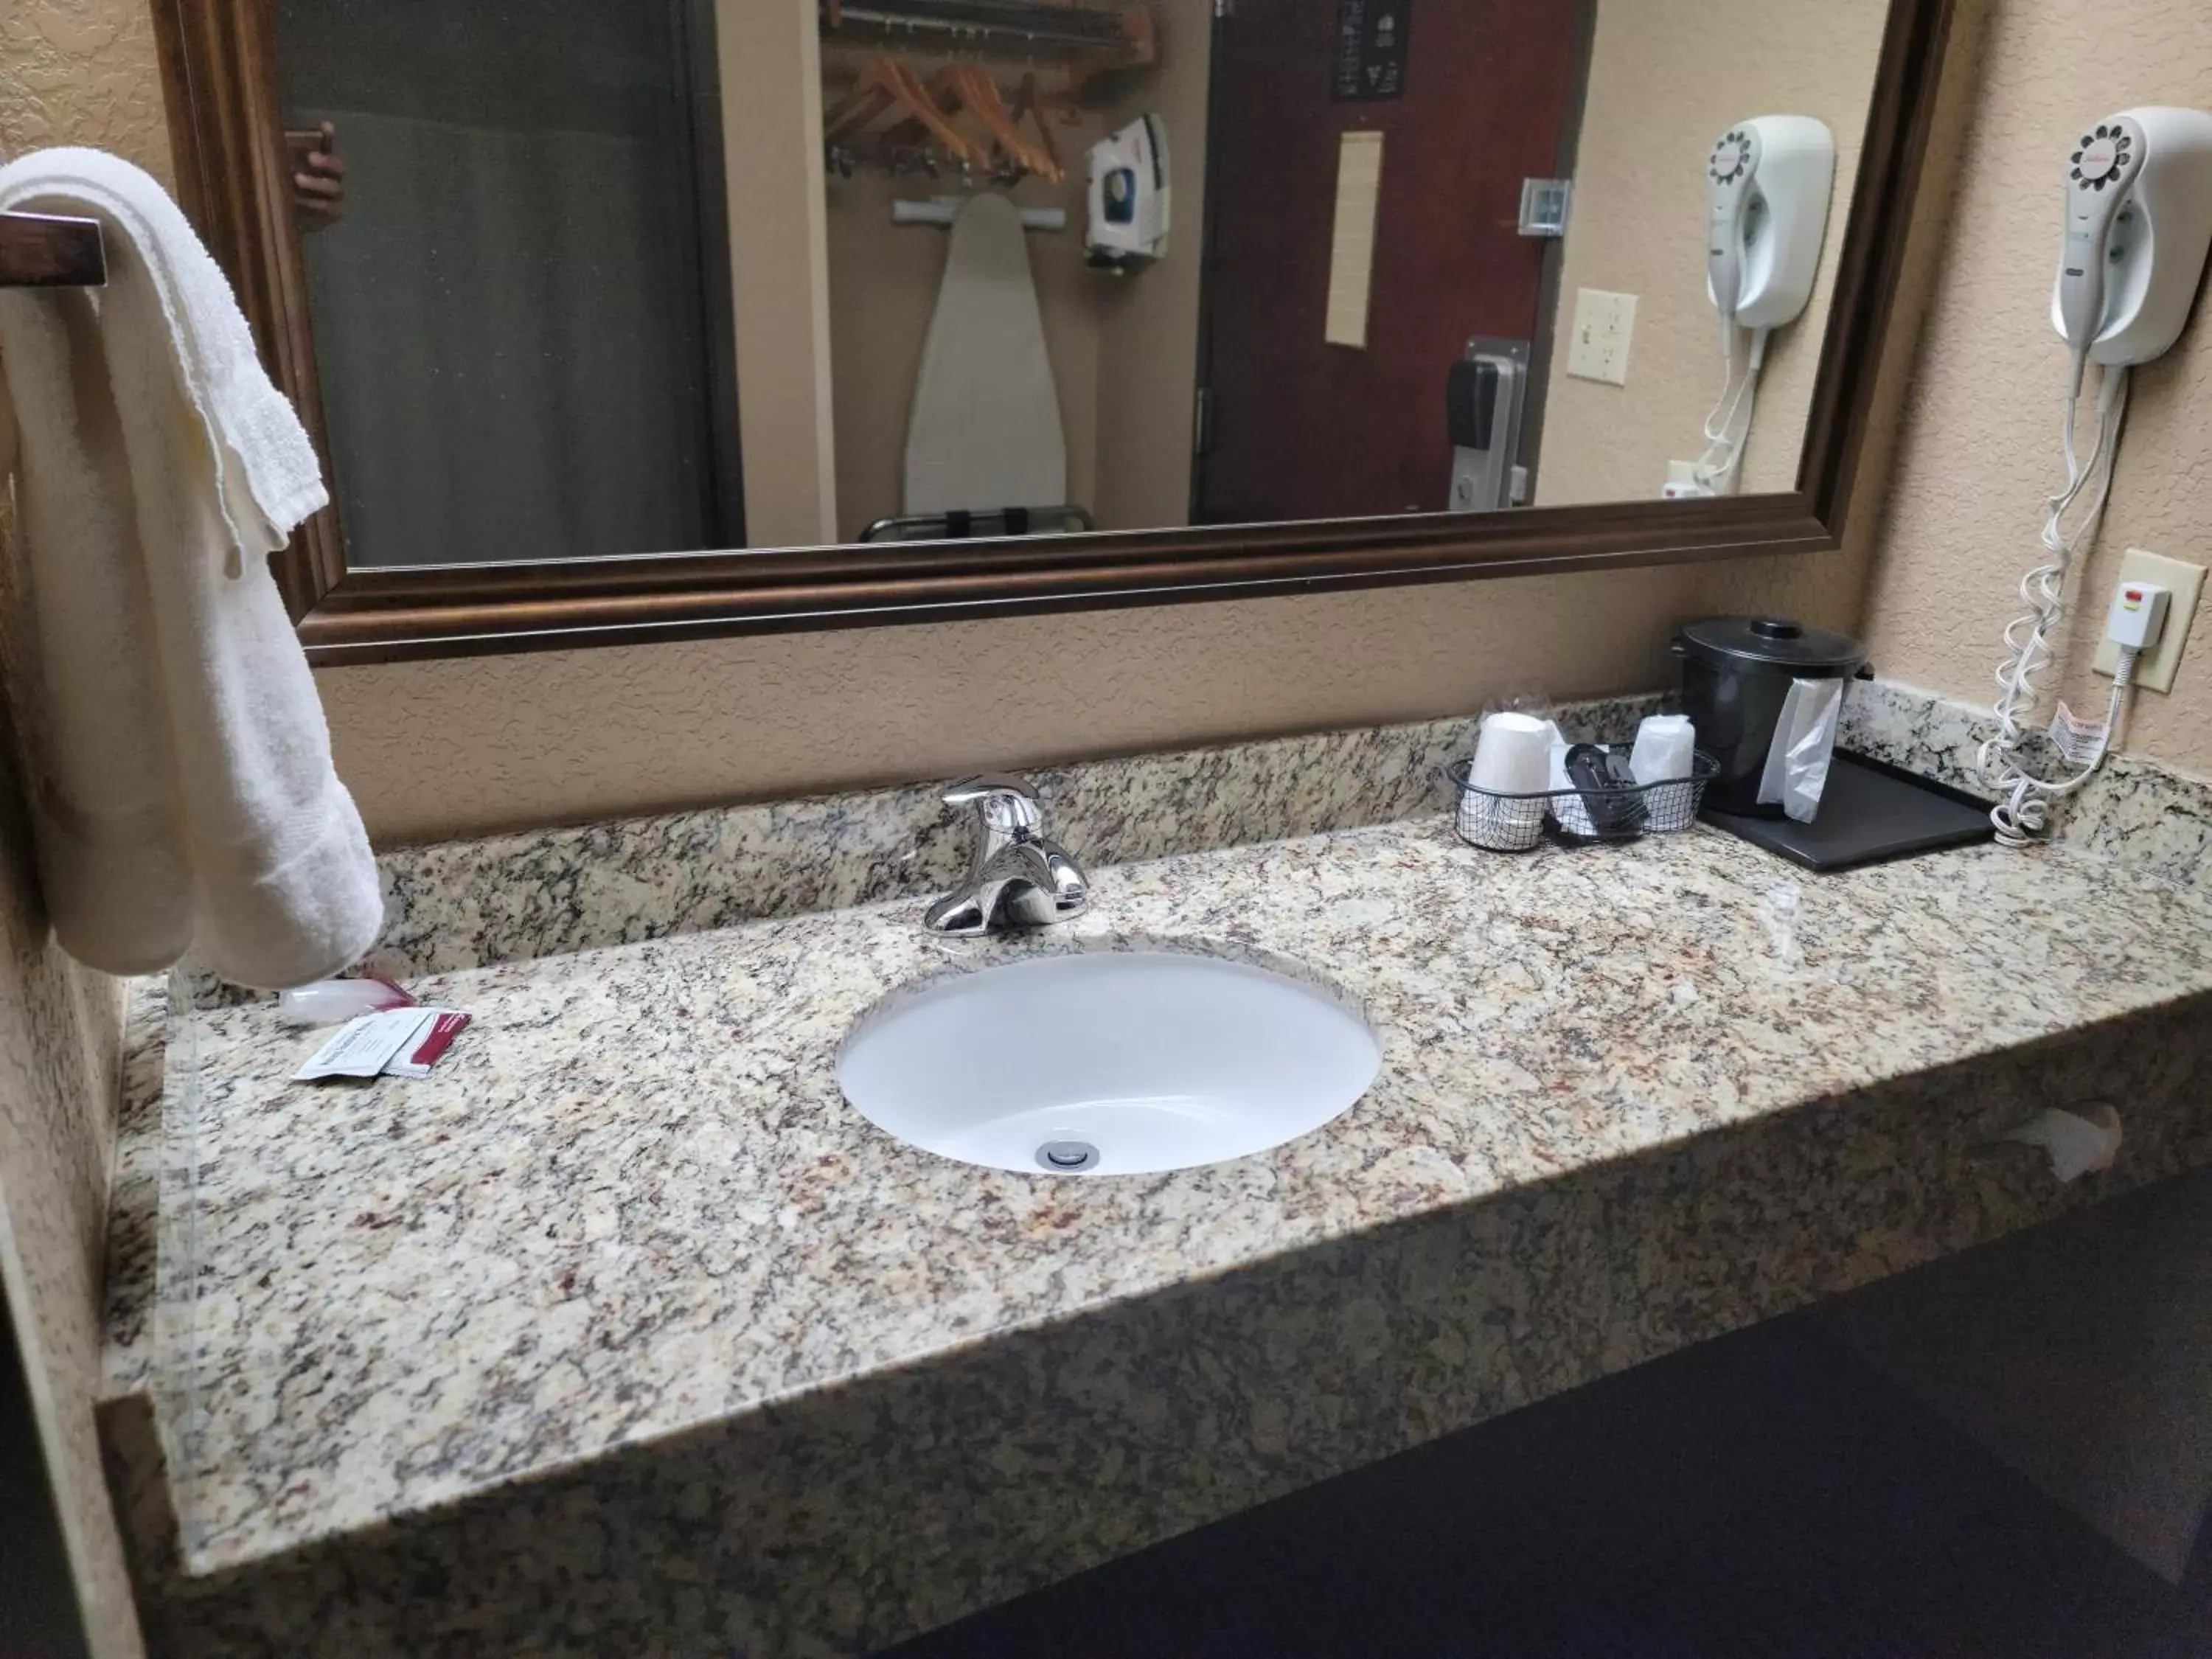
(632, 1200)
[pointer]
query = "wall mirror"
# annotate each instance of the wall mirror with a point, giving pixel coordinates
(625, 319)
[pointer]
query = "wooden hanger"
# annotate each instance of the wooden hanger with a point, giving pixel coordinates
(870, 96)
(886, 85)
(965, 86)
(1029, 102)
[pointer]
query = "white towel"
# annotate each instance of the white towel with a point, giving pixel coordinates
(182, 791)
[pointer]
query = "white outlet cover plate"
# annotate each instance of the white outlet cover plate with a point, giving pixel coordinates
(1605, 323)
(2185, 582)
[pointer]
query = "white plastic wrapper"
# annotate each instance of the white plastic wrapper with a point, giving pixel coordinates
(1804, 741)
(2080, 1143)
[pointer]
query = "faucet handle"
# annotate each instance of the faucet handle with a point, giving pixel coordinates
(1008, 803)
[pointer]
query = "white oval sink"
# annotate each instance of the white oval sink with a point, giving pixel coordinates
(1107, 1063)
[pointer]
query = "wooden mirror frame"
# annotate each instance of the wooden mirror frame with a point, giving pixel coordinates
(234, 180)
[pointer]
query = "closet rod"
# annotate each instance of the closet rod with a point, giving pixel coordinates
(41, 250)
(1025, 25)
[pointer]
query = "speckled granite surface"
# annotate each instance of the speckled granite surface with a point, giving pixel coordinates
(507, 898)
(134, 1194)
(623, 1334)
(1935, 736)
(2136, 812)
(2146, 816)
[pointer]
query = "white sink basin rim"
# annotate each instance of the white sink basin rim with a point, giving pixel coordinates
(1108, 1062)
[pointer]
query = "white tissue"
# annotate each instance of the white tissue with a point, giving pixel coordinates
(2078, 1143)
(1804, 741)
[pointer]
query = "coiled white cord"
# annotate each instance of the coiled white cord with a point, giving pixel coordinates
(1727, 427)
(2023, 809)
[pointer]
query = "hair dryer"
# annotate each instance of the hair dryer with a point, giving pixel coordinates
(2138, 226)
(1767, 184)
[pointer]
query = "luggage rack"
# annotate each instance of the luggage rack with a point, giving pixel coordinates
(982, 521)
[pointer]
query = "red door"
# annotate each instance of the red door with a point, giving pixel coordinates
(1295, 427)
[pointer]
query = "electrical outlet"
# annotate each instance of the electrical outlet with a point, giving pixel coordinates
(1604, 324)
(2185, 582)
(1683, 483)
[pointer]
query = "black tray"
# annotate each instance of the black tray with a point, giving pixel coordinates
(1870, 810)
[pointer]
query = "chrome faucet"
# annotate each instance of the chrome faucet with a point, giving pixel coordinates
(1016, 878)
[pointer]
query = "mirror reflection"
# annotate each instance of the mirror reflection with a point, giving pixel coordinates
(596, 278)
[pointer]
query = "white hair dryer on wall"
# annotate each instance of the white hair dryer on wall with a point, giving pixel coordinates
(1767, 185)
(2136, 228)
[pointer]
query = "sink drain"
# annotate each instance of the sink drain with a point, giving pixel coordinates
(1065, 1156)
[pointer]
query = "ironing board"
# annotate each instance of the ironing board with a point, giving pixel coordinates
(985, 430)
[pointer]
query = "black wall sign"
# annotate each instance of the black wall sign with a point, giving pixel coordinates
(1370, 48)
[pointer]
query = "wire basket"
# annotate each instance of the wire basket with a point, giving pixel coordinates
(1513, 824)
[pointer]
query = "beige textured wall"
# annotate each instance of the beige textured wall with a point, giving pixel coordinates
(1148, 321)
(1665, 79)
(1981, 448)
(82, 72)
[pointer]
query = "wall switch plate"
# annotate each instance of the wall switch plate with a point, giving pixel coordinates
(1604, 323)
(2185, 582)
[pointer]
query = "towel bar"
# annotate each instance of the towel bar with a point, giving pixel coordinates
(41, 250)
